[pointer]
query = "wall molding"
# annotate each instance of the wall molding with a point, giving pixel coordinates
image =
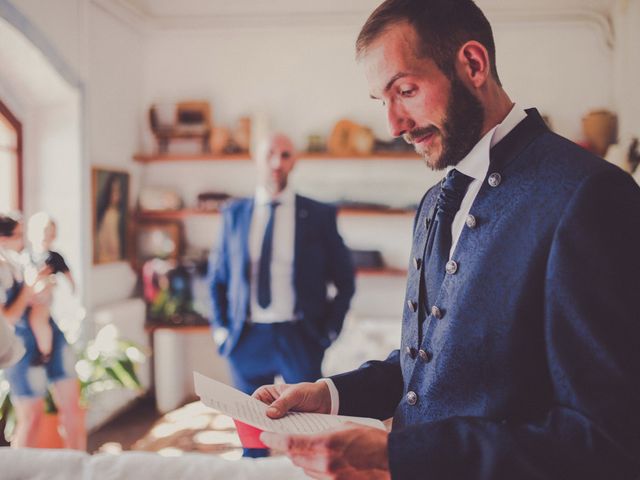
(133, 16)
(600, 21)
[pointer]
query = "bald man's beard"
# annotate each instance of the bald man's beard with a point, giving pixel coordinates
(275, 185)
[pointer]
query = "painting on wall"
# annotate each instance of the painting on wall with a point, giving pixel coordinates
(110, 198)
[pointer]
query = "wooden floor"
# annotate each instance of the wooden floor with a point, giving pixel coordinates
(191, 428)
(127, 428)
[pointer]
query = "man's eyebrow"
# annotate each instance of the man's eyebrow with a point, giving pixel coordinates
(390, 83)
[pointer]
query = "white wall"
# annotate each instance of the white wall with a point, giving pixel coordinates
(107, 56)
(95, 124)
(626, 20)
(307, 79)
(114, 93)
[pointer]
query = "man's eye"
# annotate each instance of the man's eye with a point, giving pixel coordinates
(407, 92)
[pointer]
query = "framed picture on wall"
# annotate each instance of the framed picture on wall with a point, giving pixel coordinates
(110, 199)
(158, 239)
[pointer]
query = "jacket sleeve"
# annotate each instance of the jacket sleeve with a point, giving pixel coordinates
(591, 429)
(373, 390)
(219, 275)
(341, 274)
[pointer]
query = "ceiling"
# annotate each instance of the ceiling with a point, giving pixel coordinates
(154, 15)
(159, 9)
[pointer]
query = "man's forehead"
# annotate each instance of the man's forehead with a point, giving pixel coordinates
(280, 142)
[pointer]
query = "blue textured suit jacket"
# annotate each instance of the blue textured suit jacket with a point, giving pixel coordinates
(533, 369)
(320, 259)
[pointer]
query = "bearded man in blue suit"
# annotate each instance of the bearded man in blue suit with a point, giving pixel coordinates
(520, 349)
(277, 256)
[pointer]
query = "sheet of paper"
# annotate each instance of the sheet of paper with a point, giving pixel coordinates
(249, 410)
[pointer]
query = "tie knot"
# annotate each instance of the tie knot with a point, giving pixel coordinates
(454, 188)
(273, 204)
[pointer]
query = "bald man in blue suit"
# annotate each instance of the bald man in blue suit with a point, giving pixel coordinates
(277, 256)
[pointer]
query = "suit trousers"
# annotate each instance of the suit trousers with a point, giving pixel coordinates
(266, 350)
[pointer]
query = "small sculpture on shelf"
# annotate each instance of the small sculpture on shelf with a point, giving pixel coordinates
(212, 201)
(184, 120)
(159, 199)
(316, 144)
(349, 138)
(600, 129)
(230, 141)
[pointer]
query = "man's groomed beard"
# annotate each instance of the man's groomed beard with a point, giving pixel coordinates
(462, 127)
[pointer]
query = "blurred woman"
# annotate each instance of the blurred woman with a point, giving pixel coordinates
(25, 296)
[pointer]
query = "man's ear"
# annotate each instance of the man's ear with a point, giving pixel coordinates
(473, 64)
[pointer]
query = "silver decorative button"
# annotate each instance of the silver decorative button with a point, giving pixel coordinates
(495, 179)
(425, 356)
(411, 352)
(413, 306)
(412, 398)
(451, 267)
(471, 221)
(436, 312)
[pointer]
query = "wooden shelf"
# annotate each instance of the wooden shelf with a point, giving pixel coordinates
(382, 272)
(153, 327)
(377, 211)
(174, 214)
(173, 157)
(372, 156)
(192, 212)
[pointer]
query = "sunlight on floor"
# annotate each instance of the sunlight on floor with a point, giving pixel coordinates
(192, 428)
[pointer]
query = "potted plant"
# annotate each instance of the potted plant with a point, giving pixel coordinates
(106, 363)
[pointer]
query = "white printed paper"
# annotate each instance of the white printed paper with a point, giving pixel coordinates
(252, 411)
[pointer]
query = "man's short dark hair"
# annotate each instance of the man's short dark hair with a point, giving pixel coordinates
(8, 223)
(443, 26)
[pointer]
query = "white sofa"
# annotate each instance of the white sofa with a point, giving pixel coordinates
(32, 464)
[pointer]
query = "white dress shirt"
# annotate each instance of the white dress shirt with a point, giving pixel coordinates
(281, 308)
(476, 166)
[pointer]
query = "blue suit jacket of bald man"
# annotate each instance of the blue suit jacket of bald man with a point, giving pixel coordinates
(320, 259)
(532, 370)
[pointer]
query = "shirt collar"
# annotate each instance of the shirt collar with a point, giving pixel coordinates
(476, 163)
(285, 197)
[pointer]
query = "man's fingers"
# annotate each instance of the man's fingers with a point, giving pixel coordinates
(275, 441)
(265, 394)
(294, 444)
(285, 402)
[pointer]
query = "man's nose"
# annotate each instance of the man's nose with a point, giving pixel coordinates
(398, 120)
(275, 161)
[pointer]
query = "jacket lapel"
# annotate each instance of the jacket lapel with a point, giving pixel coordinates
(301, 233)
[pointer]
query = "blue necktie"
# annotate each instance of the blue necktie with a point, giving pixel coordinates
(264, 267)
(454, 188)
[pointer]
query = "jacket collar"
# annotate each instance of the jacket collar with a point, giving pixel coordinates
(517, 140)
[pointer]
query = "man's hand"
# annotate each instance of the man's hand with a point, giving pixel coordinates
(301, 397)
(351, 452)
